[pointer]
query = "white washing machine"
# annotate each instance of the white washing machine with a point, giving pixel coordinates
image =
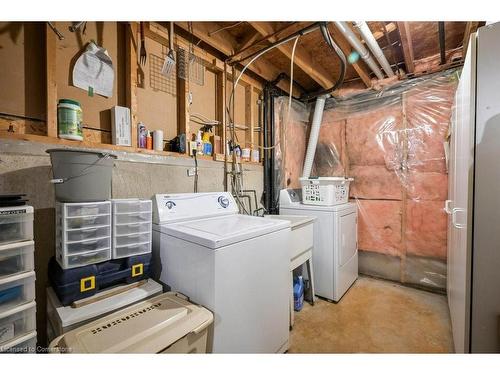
(335, 252)
(235, 265)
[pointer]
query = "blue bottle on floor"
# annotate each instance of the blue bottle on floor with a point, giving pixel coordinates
(298, 293)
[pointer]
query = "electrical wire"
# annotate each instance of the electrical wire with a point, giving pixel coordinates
(210, 33)
(231, 97)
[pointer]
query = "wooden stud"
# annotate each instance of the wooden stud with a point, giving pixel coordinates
(183, 110)
(302, 58)
(250, 103)
(50, 77)
(406, 42)
(220, 102)
(132, 43)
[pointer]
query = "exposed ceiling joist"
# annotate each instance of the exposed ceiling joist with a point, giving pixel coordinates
(346, 48)
(470, 28)
(250, 39)
(225, 43)
(406, 42)
(302, 59)
(390, 27)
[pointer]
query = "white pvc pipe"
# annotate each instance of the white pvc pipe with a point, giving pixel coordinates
(372, 44)
(314, 135)
(358, 46)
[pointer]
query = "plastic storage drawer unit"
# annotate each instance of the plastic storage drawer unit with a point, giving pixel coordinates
(71, 285)
(24, 344)
(16, 224)
(83, 233)
(17, 322)
(16, 258)
(132, 224)
(167, 323)
(17, 290)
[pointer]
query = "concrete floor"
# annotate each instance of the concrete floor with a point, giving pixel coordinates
(374, 316)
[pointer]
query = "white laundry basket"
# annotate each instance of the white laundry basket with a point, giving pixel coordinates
(325, 191)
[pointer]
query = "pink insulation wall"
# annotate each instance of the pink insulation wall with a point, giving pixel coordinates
(393, 147)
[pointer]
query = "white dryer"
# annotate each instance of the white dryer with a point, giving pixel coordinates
(335, 251)
(235, 265)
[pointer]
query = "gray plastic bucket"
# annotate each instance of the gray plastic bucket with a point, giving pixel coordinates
(81, 176)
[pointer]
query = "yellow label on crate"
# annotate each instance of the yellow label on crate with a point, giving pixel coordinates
(137, 269)
(87, 283)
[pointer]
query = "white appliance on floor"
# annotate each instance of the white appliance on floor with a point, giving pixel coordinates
(473, 207)
(235, 265)
(335, 251)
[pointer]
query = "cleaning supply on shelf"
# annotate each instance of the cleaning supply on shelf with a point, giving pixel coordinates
(298, 293)
(207, 145)
(158, 140)
(69, 120)
(141, 135)
(149, 140)
(199, 143)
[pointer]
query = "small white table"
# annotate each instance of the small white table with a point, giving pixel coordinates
(301, 250)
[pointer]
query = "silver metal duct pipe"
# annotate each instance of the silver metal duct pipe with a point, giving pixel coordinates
(372, 44)
(358, 46)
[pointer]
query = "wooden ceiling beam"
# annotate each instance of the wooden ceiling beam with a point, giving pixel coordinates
(406, 42)
(250, 39)
(470, 28)
(346, 48)
(302, 58)
(225, 43)
(379, 34)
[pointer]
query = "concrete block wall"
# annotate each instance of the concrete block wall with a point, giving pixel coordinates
(25, 168)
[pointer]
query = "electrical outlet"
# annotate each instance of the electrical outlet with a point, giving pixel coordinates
(191, 172)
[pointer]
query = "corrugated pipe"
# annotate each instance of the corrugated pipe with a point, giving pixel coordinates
(372, 44)
(358, 46)
(314, 135)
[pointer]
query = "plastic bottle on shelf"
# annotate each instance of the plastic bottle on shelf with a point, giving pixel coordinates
(149, 141)
(199, 143)
(207, 145)
(141, 135)
(298, 293)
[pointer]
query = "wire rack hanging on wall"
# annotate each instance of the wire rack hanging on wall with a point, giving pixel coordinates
(157, 80)
(189, 65)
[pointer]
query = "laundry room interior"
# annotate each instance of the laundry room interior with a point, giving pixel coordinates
(257, 187)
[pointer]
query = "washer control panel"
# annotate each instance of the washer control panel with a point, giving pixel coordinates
(170, 208)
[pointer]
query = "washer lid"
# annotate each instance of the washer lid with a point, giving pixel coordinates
(225, 230)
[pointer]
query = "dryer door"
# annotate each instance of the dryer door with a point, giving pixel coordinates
(348, 237)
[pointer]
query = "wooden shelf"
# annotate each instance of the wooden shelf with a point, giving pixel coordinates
(95, 145)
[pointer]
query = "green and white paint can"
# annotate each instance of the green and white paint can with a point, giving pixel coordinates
(69, 120)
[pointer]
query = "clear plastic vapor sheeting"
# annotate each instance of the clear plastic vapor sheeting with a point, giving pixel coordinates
(392, 142)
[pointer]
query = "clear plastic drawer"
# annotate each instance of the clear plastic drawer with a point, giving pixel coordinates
(133, 239)
(123, 229)
(16, 290)
(123, 206)
(138, 217)
(87, 233)
(87, 209)
(16, 258)
(131, 250)
(83, 259)
(17, 225)
(17, 322)
(25, 344)
(86, 246)
(88, 221)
